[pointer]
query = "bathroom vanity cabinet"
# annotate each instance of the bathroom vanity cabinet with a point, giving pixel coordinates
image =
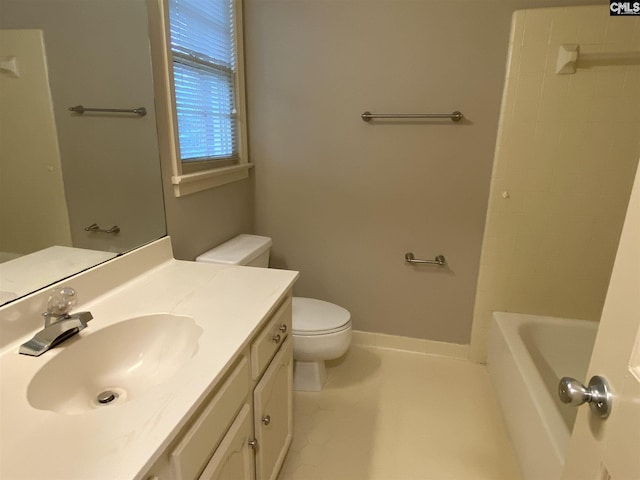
(200, 355)
(244, 427)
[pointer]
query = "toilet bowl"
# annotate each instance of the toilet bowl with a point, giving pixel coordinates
(321, 330)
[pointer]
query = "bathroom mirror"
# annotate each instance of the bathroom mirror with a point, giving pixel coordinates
(76, 189)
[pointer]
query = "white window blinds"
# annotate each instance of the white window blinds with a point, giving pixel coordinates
(204, 66)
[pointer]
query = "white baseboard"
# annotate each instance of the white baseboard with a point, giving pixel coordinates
(408, 344)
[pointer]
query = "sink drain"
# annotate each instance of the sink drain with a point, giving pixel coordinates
(106, 397)
(109, 395)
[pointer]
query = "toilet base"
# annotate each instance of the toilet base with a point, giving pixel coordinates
(308, 376)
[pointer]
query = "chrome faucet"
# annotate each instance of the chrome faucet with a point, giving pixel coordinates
(58, 323)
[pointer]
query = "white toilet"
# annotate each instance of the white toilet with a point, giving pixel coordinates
(321, 330)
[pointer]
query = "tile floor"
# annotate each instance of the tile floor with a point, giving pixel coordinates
(394, 415)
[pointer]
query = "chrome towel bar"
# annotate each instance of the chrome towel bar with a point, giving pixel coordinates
(455, 116)
(94, 227)
(439, 260)
(138, 111)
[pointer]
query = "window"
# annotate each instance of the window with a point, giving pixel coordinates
(204, 88)
(203, 47)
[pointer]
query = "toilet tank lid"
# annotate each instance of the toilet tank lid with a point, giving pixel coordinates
(239, 250)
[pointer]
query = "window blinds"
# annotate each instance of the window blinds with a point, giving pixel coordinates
(204, 64)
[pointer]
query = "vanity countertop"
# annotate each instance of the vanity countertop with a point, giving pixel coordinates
(122, 441)
(27, 273)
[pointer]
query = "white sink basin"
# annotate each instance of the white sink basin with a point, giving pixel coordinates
(127, 360)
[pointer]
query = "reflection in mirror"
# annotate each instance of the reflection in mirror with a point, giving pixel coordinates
(62, 172)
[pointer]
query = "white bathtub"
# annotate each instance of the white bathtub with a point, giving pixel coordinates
(528, 354)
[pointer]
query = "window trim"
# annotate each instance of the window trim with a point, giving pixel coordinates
(166, 115)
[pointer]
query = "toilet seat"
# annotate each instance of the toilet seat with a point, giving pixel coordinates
(317, 333)
(315, 317)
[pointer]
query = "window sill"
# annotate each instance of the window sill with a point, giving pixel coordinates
(198, 181)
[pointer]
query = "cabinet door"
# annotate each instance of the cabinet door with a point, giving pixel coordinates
(233, 459)
(197, 445)
(273, 414)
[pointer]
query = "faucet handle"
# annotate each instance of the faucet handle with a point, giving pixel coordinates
(61, 301)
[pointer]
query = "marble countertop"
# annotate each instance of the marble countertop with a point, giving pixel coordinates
(122, 441)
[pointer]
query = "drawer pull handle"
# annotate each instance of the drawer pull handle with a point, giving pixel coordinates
(266, 419)
(283, 328)
(276, 338)
(253, 443)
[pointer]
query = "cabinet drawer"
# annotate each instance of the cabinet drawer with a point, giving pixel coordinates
(197, 446)
(269, 340)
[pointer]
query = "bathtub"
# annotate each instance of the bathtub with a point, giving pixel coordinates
(528, 354)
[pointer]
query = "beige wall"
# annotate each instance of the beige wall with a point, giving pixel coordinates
(33, 209)
(205, 219)
(343, 199)
(567, 150)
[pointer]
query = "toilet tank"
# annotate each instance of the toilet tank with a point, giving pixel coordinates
(248, 250)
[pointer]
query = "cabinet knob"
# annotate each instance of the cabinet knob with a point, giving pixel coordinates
(283, 328)
(253, 443)
(276, 338)
(266, 419)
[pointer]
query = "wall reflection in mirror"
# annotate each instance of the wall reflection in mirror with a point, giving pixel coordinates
(60, 171)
